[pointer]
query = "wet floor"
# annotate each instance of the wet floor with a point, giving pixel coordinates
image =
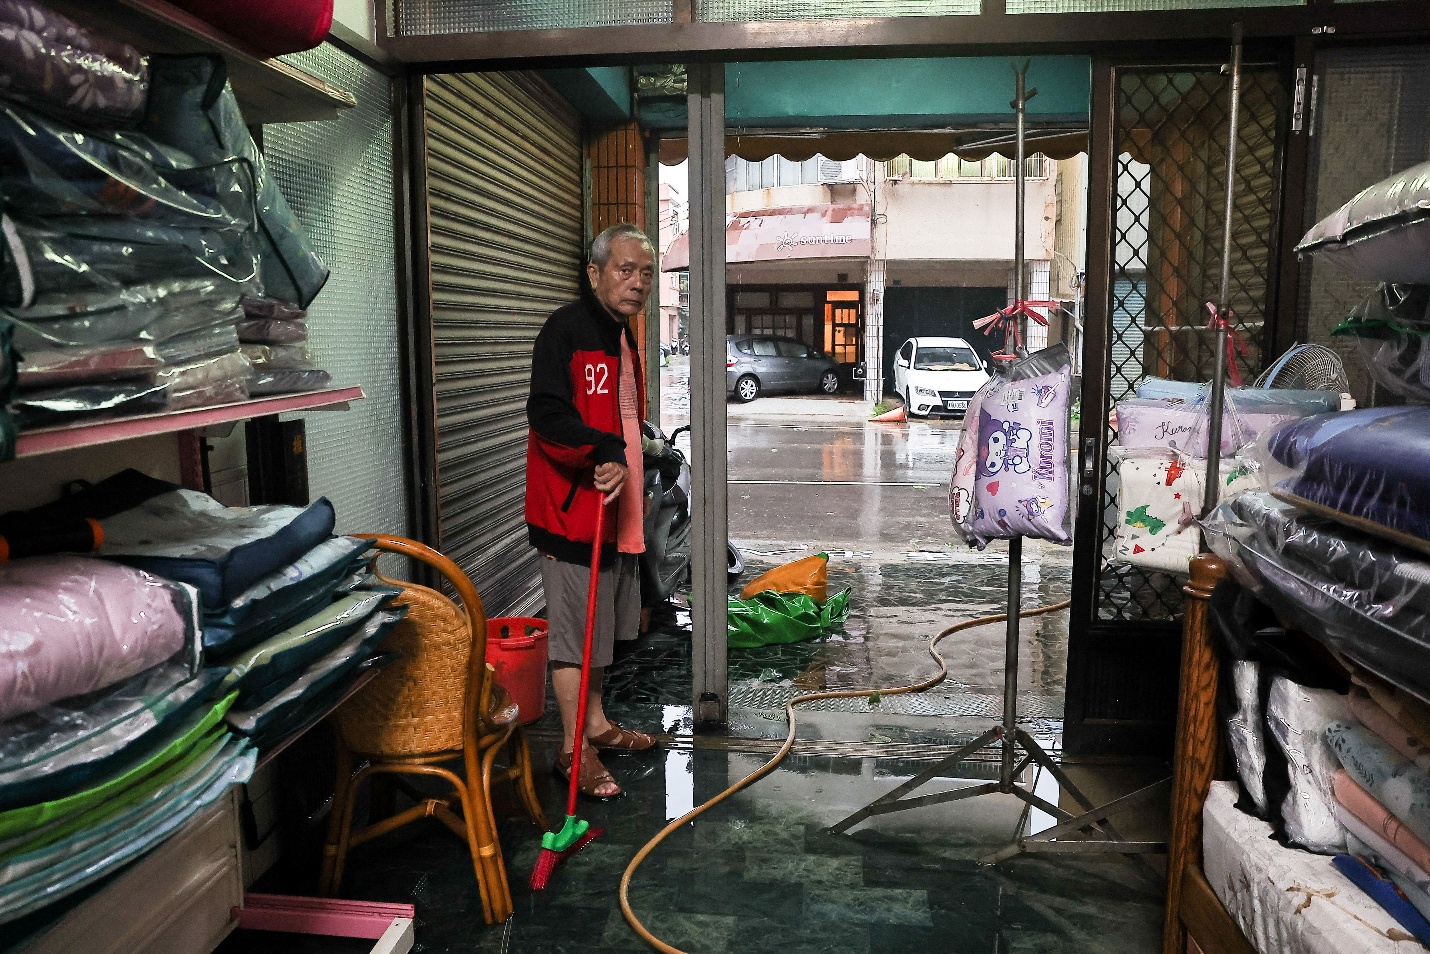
(761, 872)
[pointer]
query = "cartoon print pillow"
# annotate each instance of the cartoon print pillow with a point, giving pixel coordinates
(1021, 479)
(1158, 498)
(965, 468)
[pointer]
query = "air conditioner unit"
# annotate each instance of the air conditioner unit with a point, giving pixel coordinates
(832, 171)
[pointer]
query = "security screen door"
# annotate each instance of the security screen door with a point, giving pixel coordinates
(1163, 173)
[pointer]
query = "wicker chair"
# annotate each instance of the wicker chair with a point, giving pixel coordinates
(436, 704)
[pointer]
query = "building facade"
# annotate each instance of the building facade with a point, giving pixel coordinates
(854, 257)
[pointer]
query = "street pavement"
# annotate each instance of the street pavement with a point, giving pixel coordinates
(811, 473)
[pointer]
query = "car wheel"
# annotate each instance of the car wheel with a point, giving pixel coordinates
(747, 388)
(829, 382)
(908, 404)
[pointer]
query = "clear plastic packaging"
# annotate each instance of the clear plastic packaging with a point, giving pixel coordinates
(63, 871)
(171, 532)
(68, 745)
(54, 406)
(215, 369)
(144, 313)
(1312, 402)
(1021, 484)
(51, 170)
(197, 730)
(1364, 598)
(1184, 426)
(71, 625)
(1383, 233)
(1296, 719)
(86, 364)
(192, 108)
(320, 676)
(288, 382)
(962, 482)
(1159, 494)
(1371, 464)
(28, 852)
(261, 306)
(59, 66)
(208, 395)
(272, 331)
(1390, 328)
(290, 594)
(1246, 731)
(278, 357)
(259, 671)
(94, 253)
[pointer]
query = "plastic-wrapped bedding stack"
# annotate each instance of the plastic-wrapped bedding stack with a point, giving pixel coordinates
(275, 342)
(135, 211)
(287, 608)
(111, 735)
(122, 269)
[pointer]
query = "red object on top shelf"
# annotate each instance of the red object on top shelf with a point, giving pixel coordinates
(47, 440)
(273, 26)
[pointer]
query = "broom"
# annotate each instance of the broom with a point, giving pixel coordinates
(576, 833)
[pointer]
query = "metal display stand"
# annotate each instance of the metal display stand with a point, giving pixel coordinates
(1090, 831)
(1222, 315)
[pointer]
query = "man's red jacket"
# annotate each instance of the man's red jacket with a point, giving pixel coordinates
(574, 418)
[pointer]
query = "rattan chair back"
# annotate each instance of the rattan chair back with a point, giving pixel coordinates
(417, 705)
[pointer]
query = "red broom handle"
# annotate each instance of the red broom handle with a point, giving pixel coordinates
(580, 739)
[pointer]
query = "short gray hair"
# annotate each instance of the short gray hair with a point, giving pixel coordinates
(601, 245)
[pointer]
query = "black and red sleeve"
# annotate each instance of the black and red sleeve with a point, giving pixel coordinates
(551, 408)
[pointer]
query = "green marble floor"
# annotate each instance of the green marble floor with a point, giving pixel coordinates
(760, 872)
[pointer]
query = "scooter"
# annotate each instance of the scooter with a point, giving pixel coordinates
(665, 565)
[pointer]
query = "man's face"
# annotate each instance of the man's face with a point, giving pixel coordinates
(624, 284)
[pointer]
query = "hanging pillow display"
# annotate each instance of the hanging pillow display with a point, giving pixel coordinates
(1021, 478)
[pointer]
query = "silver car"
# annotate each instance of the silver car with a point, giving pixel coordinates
(755, 364)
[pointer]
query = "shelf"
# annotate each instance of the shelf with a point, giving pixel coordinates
(47, 440)
(269, 90)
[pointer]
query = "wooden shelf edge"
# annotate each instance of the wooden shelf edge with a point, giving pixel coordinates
(48, 440)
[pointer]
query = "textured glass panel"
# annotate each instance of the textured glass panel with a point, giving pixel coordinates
(337, 176)
(1126, 6)
(1368, 110)
(742, 10)
(426, 17)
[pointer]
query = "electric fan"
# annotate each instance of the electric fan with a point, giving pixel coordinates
(1306, 367)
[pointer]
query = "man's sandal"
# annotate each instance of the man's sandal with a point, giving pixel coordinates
(593, 774)
(621, 739)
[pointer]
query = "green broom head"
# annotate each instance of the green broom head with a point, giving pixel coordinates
(569, 834)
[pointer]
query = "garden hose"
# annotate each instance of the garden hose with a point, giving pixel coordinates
(784, 750)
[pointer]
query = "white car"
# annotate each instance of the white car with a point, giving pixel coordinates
(937, 374)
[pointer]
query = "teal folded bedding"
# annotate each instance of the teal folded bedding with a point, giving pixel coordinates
(318, 679)
(124, 777)
(260, 671)
(68, 746)
(46, 874)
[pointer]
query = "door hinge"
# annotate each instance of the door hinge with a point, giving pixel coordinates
(1298, 100)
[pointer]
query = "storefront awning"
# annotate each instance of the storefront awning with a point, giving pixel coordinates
(926, 145)
(792, 232)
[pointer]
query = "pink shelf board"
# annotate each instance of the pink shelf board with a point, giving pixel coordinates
(47, 440)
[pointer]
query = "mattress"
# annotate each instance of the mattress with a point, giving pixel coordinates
(1287, 901)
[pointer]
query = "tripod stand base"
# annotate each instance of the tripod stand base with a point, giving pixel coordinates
(1099, 836)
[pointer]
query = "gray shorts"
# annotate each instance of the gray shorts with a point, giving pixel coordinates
(618, 608)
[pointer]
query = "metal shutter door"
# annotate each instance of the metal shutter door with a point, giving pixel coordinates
(504, 210)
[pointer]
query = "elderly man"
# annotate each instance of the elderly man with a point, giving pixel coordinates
(584, 452)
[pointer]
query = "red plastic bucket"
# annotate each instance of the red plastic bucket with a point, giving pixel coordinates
(516, 648)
